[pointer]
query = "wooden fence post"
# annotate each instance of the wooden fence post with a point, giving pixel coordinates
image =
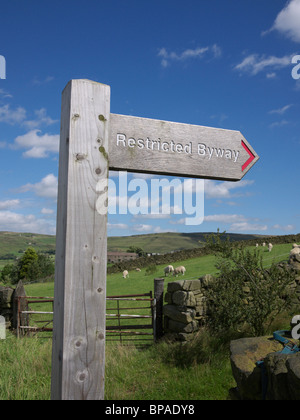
(19, 304)
(159, 298)
(78, 355)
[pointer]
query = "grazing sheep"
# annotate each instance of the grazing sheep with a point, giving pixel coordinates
(125, 274)
(264, 244)
(169, 269)
(256, 245)
(138, 269)
(296, 246)
(295, 251)
(270, 246)
(179, 270)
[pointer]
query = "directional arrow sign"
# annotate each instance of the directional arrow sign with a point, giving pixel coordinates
(170, 148)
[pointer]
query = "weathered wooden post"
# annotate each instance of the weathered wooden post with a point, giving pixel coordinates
(92, 142)
(78, 356)
(159, 299)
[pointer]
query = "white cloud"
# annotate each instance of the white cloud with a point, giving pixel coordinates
(281, 111)
(12, 116)
(187, 54)
(142, 228)
(255, 63)
(117, 226)
(15, 222)
(5, 94)
(39, 82)
(287, 21)
(279, 123)
(8, 204)
(47, 187)
(39, 146)
(286, 228)
(237, 222)
(158, 229)
(246, 227)
(41, 119)
(47, 211)
(225, 218)
(214, 189)
(19, 115)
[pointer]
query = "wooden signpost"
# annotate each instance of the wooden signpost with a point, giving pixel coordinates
(92, 142)
(169, 148)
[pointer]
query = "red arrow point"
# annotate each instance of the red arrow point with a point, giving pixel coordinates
(251, 158)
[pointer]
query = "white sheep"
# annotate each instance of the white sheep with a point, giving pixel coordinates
(179, 270)
(264, 244)
(138, 269)
(295, 251)
(125, 274)
(169, 269)
(270, 246)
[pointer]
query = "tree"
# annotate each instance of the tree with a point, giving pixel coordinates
(28, 267)
(137, 250)
(45, 265)
(6, 272)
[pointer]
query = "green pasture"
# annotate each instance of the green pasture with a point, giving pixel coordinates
(199, 370)
(141, 282)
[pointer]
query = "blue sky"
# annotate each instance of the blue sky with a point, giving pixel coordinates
(218, 63)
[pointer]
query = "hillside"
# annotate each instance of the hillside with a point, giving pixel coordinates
(163, 243)
(17, 243)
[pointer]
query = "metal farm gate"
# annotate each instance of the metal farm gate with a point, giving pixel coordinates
(136, 318)
(130, 318)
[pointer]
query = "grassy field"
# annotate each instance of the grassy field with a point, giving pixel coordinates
(159, 372)
(199, 370)
(16, 243)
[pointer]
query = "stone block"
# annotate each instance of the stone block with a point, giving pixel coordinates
(182, 298)
(245, 353)
(175, 285)
(191, 285)
(179, 327)
(168, 298)
(5, 295)
(178, 314)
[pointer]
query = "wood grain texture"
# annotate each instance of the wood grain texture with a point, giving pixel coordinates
(81, 252)
(169, 148)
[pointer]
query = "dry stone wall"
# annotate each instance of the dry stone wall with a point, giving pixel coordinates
(294, 263)
(281, 377)
(186, 308)
(6, 304)
(9, 304)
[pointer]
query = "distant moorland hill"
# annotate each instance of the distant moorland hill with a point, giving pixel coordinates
(163, 243)
(12, 243)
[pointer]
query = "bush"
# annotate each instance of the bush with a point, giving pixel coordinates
(244, 293)
(150, 270)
